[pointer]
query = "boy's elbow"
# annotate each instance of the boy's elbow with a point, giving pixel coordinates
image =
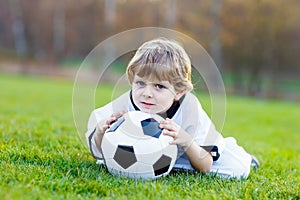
(206, 166)
(206, 170)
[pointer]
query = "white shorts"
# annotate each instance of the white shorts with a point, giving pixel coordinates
(233, 162)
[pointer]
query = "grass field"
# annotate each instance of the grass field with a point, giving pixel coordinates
(42, 156)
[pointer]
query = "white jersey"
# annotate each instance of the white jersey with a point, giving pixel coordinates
(230, 160)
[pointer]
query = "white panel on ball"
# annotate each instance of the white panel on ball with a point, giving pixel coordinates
(148, 150)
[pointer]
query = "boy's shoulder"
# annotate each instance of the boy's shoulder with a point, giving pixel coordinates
(190, 99)
(190, 104)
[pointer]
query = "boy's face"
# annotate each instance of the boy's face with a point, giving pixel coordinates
(153, 97)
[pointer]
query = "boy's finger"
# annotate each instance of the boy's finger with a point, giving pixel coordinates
(168, 126)
(172, 134)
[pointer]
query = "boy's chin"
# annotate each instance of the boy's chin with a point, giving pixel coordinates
(148, 111)
(152, 110)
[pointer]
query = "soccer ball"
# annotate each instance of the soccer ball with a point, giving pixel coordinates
(134, 147)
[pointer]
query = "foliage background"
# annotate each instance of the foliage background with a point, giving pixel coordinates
(255, 43)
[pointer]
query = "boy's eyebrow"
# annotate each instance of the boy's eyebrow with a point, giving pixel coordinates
(153, 82)
(164, 82)
(160, 82)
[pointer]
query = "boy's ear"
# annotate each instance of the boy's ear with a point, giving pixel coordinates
(180, 94)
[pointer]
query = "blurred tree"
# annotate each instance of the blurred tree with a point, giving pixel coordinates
(110, 18)
(110, 15)
(216, 26)
(59, 30)
(109, 27)
(6, 36)
(283, 43)
(235, 53)
(260, 33)
(257, 41)
(18, 32)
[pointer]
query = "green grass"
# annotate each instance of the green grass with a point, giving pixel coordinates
(42, 156)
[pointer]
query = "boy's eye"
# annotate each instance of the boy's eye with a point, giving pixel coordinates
(140, 83)
(159, 86)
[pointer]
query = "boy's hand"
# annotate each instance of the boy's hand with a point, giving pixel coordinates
(173, 130)
(104, 125)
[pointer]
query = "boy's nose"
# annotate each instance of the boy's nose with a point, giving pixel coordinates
(147, 92)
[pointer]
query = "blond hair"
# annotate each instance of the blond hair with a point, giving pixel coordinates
(162, 60)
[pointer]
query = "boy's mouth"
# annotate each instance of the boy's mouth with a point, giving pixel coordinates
(147, 104)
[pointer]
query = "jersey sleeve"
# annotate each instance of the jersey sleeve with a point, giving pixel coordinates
(197, 123)
(102, 113)
(91, 133)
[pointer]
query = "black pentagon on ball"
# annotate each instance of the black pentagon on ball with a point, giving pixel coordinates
(151, 127)
(162, 165)
(125, 156)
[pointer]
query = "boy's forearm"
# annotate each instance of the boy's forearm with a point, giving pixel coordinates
(98, 139)
(99, 134)
(199, 158)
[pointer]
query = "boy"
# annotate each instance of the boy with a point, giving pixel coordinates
(160, 78)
